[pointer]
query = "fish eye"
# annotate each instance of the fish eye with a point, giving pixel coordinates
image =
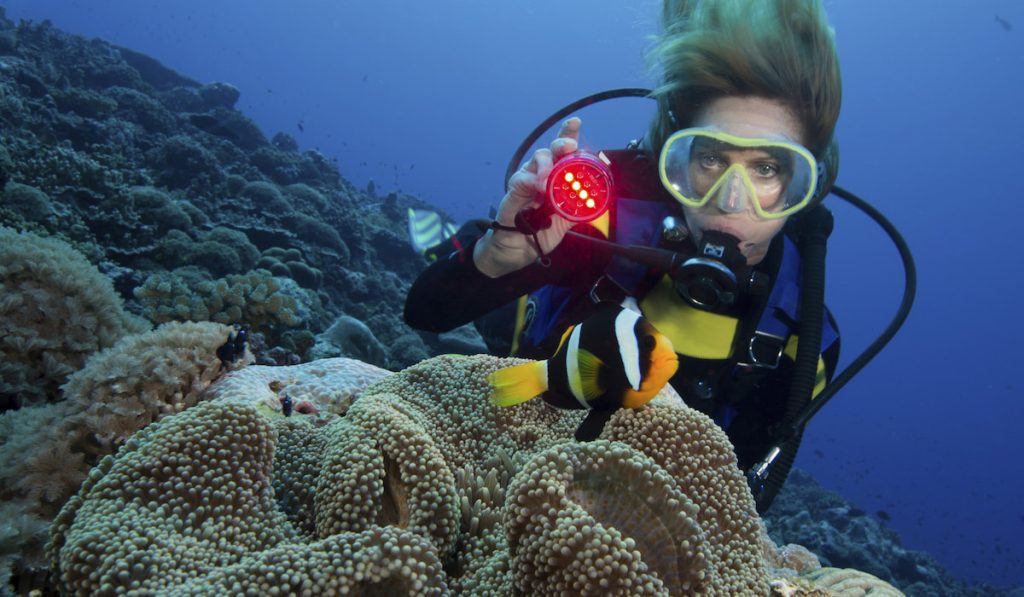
(647, 344)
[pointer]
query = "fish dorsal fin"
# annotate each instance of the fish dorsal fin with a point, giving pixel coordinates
(589, 367)
(565, 336)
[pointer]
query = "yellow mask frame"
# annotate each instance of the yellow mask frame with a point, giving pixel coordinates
(676, 162)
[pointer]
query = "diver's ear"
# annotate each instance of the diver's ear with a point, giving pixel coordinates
(828, 170)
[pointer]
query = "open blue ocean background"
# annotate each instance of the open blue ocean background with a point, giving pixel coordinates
(432, 98)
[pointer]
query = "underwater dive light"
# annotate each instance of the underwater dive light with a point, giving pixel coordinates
(580, 186)
(579, 189)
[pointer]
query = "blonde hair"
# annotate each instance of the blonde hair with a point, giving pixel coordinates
(776, 49)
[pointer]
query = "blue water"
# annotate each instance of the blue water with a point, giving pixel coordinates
(432, 98)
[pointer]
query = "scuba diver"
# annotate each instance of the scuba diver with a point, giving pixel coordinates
(705, 226)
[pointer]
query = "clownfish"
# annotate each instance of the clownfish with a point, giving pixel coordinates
(615, 359)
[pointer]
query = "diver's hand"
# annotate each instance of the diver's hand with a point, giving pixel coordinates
(500, 252)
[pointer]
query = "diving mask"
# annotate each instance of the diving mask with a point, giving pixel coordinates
(771, 177)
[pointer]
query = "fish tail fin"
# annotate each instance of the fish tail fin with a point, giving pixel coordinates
(517, 384)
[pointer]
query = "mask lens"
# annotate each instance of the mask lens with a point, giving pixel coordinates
(773, 178)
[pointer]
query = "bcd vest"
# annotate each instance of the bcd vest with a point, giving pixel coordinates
(715, 351)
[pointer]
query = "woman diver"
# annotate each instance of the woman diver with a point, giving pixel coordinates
(740, 151)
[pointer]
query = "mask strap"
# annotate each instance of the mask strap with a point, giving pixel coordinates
(672, 119)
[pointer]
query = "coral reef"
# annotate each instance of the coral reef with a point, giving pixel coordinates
(289, 263)
(33, 204)
(220, 251)
(146, 172)
(256, 300)
(351, 337)
(329, 385)
(56, 310)
(845, 582)
(844, 536)
(422, 484)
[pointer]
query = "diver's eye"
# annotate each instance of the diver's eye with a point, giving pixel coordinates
(766, 170)
(647, 344)
(710, 161)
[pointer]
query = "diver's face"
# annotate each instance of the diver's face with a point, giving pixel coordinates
(747, 117)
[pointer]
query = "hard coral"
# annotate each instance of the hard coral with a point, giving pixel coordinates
(351, 337)
(29, 202)
(266, 197)
(845, 582)
(256, 299)
(157, 209)
(289, 263)
(181, 162)
(220, 251)
(331, 385)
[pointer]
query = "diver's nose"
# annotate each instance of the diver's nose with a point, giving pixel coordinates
(731, 195)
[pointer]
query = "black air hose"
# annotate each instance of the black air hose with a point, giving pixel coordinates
(815, 227)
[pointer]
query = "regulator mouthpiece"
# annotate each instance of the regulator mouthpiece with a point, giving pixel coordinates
(708, 281)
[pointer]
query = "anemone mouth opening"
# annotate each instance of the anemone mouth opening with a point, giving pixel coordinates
(665, 545)
(629, 515)
(386, 587)
(394, 509)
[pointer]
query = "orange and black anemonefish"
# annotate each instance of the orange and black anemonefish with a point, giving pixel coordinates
(615, 359)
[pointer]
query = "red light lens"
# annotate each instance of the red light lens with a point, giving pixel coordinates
(580, 187)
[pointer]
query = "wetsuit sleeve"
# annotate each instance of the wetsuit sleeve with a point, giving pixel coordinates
(453, 292)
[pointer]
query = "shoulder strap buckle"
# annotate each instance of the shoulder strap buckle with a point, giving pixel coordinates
(606, 289)
(765, 350)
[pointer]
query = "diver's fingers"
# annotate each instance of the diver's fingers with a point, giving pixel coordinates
(563, 146)
(525, 183)
(568, 139)
(571, 128)
(520, 191)
(544, 159)
(531, 165)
